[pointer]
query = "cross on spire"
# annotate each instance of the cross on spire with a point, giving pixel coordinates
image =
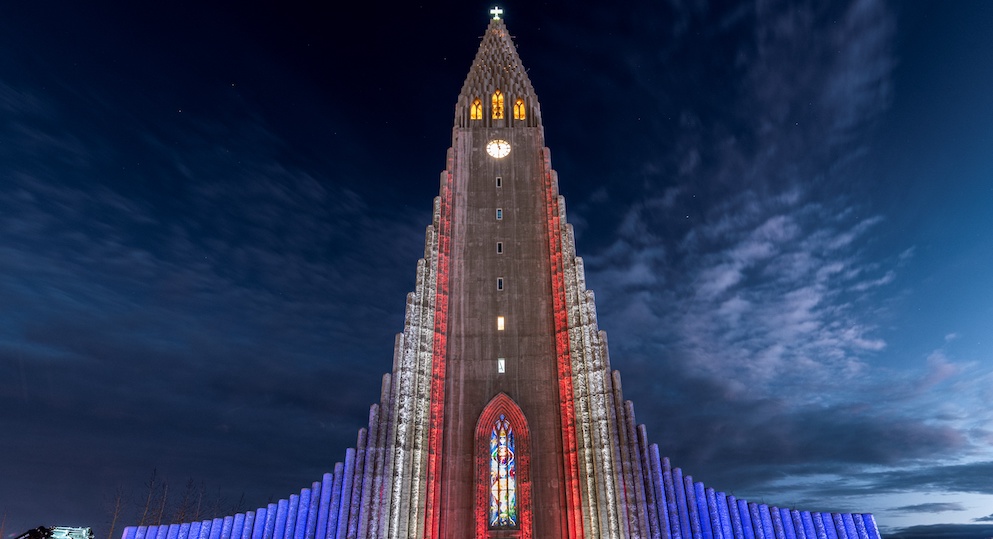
(496, 12)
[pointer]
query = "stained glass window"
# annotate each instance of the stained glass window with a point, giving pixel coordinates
(497, 105)
(476, 110)
(520, 111)
(503, 475)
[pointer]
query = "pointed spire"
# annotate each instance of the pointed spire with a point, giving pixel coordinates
(497, 67)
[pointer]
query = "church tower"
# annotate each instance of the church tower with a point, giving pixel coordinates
(514, 356)
(501, 418)
(507, 359)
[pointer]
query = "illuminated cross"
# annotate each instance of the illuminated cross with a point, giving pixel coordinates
(496, 13)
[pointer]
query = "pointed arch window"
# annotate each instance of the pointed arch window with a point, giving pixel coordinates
(503, 470)
(476, 110)
(520, 110)
(503, 475)
(497, 105)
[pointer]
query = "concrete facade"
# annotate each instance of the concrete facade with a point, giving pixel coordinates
(500, 324)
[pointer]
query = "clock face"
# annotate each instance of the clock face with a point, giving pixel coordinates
(498, 148)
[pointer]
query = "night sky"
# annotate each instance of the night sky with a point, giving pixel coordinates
(211, 213)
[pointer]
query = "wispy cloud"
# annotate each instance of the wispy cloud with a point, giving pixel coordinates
(942, 531)
(225, 297)
(780, 274)
(936, 507)
(766, 306)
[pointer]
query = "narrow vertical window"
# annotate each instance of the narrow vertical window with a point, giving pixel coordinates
(501, 365)
(499, 214)
(499, 181)
(500, 247)
(497, 105)
(503, 475)
(499, 283)
(501, 447)
(519, 109)
(500, 323)
(476, 110)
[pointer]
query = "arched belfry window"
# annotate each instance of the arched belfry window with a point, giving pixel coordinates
(497, 105)
(503, 477)
(520, 111)
(476, 110)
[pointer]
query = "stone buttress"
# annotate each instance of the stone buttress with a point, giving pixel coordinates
(501, 330)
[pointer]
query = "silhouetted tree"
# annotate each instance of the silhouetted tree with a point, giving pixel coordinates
(152, 486)
(162, 503)
(240, 506)
(117, 505)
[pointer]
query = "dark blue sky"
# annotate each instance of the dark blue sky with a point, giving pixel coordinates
(211, 213)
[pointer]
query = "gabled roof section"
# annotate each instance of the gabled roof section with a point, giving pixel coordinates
(497, 67)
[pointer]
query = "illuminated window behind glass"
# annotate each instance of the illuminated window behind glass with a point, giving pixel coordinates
(476, 110)
(497, 105)
(503, 475)
(499, 323)
(501, 365)
(519, 113)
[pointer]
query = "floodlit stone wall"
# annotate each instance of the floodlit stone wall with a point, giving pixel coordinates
(587, 469)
